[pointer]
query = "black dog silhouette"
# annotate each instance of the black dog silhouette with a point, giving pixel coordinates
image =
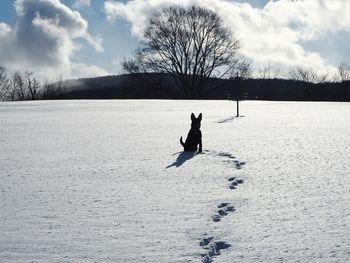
(194, 137)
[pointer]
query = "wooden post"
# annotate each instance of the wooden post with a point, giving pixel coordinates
(237, 108)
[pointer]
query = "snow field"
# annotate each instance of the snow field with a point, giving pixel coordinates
(104, 181)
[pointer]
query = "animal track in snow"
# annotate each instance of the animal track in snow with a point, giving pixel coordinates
(224, 154)
(205, 241)
(212, 248)
(238, 164)
(233, 182)
(223, 210)
(231, 159)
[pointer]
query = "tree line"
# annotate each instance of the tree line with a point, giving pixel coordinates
(20, 86)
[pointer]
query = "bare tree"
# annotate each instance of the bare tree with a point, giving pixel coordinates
(308, 75)
(53, 90)
(4, 84)
(309, 78)
(191, 45)
(13, 88)
(268, 71)
(242, 70)
(60, 86)
(344, 72)
(25, 86)
(343, 79)
(132, 66)
(47, 90)
(32, 86)
(17, 89)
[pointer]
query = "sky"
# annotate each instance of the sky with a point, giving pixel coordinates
(87, 38)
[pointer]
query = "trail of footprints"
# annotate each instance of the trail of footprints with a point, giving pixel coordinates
(209, 243)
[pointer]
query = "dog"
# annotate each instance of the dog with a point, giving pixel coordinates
(194, 137)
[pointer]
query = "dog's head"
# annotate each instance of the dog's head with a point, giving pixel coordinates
(196, 122)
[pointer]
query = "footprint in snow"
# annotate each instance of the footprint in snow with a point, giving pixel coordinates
(237, 164)
(233, 182)
(228, 155)
(223, 210)
(212, 248)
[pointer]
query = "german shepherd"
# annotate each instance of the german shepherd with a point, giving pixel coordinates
(194, 136)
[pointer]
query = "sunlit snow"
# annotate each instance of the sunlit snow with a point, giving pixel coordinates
(105, 181)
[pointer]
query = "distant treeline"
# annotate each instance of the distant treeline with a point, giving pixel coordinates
(24, 86)
(162, 86)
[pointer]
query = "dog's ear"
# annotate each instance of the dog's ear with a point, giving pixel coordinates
(193, 117)
(199, 117)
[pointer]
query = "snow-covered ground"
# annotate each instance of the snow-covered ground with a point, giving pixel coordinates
(105, 181)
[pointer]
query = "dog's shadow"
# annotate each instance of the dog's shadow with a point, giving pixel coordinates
(182, 158)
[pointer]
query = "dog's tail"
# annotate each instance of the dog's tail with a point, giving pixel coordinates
(182, 143)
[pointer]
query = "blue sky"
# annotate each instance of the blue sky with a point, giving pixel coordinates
(82, 38)
(117, 40)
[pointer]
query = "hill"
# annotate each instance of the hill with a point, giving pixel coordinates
(162, 86)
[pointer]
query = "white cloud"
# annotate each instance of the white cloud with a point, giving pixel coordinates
(273, 33)
(44, 37)
(81, 70)
(81, 3)
(4, 29)
(137, 12)
(96, 42)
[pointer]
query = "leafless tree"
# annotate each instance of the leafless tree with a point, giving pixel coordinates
(4, 84)
(132, 66)
(343, 81)
(32, 86)
(242, 69)
(17, 89)
(344, 72)
(53, 90)
(60, 86)
(308, 75)
(309, 78)
(25, 86)
(189, 44)
(268, 71)
(47, 90)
